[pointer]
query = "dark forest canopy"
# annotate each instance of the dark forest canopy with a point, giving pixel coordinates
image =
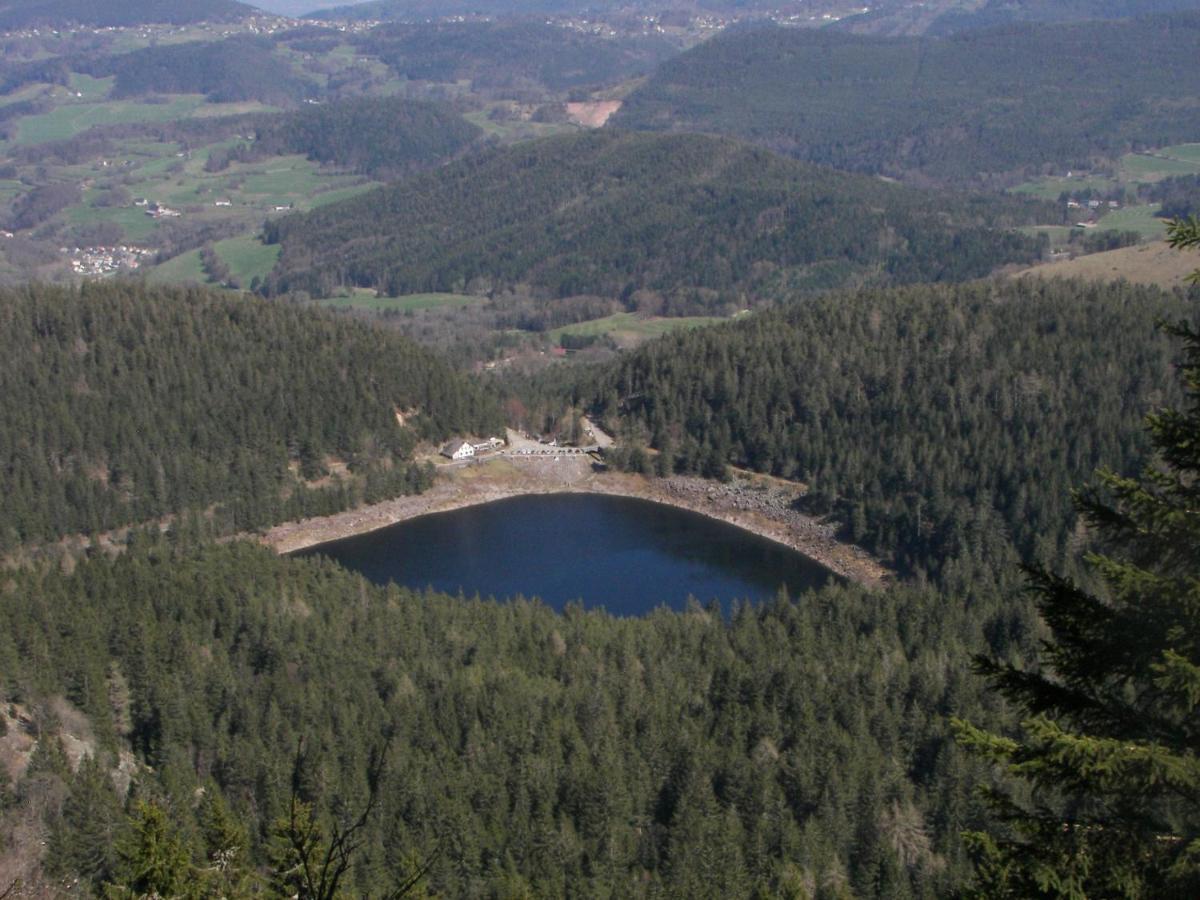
(120, 403)
(232, 70)
(1007, 12)
(378, 136)
(942, 425)
(1178, 197)
(18, 14)
(679, 754)
(515, 56)
(1008, 100)
(701, 221)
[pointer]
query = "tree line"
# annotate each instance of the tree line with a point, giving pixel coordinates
(226, 71)
(942, 426)
(121, 403)
(794, 749)
(701, 223)
(991, 106)
(379, 136)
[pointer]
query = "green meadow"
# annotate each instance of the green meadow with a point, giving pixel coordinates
(631, 324)
(364, 299)
(247, 257)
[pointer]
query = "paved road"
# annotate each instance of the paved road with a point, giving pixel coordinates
(546, 450)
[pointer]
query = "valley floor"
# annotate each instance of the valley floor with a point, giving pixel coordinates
(756, 503)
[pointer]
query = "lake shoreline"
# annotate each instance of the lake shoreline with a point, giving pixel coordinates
(757, 504)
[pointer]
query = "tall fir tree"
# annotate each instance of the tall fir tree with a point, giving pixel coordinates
(152, 859)
(1107, 795)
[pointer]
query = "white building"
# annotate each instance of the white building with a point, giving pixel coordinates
(458, 450)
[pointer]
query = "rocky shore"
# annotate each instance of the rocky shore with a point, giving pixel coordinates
(759, 504)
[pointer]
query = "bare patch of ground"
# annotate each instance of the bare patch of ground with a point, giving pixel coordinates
(1154, 264)
(759, 504)
(24, 837)
(592, 114)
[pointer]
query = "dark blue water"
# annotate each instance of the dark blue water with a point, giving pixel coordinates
(628, 556)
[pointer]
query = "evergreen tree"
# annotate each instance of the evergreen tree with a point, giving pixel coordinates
(225, 872)
(1107, 758)
(82, 842)
(153, 860)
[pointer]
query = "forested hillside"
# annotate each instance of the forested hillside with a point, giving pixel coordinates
(1004, 101)
(17, 14)
(944, 426)
(378, 136)
(512, 55)
(995, 13)
(232, 70)
(701, 223)
(120, 403)
(795, 745)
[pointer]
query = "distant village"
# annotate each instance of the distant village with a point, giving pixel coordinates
(94, 262)
(680, 22)
(265, 24)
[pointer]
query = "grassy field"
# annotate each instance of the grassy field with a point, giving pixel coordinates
(212, 110)
(333, 196)
(630, 325)
(254, 189)
(162, 173)
(1058, 234)
(365, 299)
(78, 114)
(70, 119)
(1135, 218)
(92, 89)
(1052, 188)
(133, 221)
(247, 257)
(1132, 169)
(509, 130)
(1144, 167)
(183, 269)
(1185, 152)
(28, 92)
(285, 176)
(1154, 263)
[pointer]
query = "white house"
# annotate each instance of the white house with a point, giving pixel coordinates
(458, 450)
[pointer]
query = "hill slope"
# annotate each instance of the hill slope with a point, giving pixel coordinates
(695, 755)
(1001, 101)
(937, 422)
(701, 220)
(512, 55)
(121, 403)
(378, 136)
(232, 70)
(17, 14)
(1008, 12)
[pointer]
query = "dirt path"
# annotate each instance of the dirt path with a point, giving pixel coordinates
(758, 504)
